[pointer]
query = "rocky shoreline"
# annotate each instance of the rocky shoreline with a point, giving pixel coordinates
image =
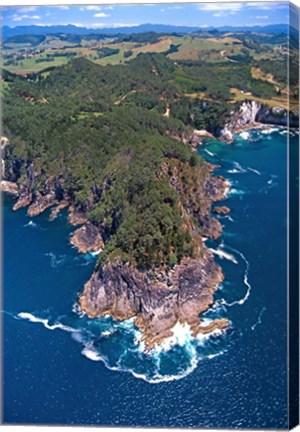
(254, 115)
(157, 298)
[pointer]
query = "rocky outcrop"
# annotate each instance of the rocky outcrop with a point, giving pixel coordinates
(157, 299)
(198, 136)
(253, 114)
(244, 117)
(57, 209)
(223, 210)
(87, 239)
(278, 116)
(24, 200)
(76, 216)
(40, 204)
(9, 187)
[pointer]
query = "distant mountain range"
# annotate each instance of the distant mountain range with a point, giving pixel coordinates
(143, 28)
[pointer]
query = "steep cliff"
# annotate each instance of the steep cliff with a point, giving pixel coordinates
(251, 114)
(157, 299)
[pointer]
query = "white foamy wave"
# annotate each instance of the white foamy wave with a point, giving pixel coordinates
(32, 318)
(222, 254)
(238, 168)
(235, 191)
(76, 310)
(283, 132)
(182, 337)
(31, 224)
(245, 280)
(56, 261)
(96, 253)
(254, 170)
(209, 153)
(244, 135)
(234, 171)
(227, 188)
(269, 131)
(211, 356)
(259, 319)
(229, 218)
(91, 354)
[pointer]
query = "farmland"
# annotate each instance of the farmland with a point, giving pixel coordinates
(258, 64)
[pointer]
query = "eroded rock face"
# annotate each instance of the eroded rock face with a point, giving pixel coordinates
(76, 216)
(9, 187)
(252, 114)
(41, 203)
(157, 299)
(244, 117)
(87, 239)
(278, 116)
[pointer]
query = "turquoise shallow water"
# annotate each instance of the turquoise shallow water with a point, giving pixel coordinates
(60, 367)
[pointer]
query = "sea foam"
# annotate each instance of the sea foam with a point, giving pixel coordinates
(224, 255)
(245, 280)
(34, 319)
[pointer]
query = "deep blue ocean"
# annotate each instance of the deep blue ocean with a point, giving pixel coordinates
(61, 368)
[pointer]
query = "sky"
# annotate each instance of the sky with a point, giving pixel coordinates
(101, 16)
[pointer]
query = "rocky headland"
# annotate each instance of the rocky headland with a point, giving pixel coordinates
(158, 297)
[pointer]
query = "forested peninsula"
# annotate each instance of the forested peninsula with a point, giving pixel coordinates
(115, 145)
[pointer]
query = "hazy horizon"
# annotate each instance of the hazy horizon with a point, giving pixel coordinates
(115, 16)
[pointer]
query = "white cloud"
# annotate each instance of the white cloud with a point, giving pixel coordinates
(90, 8)
(63, 7)
(22, 17)
(171, 8)
(26, 9)
(230, 7)
(101, 15)
(95, 8)
(263, 6)
(261, 17)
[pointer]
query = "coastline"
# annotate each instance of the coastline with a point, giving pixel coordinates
(160, 298)
(105, 292)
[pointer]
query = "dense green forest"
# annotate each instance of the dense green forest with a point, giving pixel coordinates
(70, 124)
(107, 132)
